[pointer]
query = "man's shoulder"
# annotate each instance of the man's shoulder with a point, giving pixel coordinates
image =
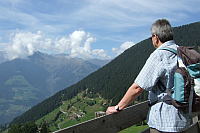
(155, 55)
(169, 44)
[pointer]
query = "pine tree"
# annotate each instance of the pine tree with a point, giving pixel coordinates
(15, 129)
(44, 129)
(29, 127)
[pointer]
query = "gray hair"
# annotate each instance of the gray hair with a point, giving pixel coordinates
(162, 28)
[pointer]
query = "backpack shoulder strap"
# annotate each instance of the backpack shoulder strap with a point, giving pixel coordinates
(169, 49)
(164, 87)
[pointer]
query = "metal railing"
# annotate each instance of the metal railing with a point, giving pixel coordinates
(113, 123)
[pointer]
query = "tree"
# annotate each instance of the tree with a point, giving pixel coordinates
(44, 129)
(84, 94)
(68, 106)
(15, 129)
(29, 127)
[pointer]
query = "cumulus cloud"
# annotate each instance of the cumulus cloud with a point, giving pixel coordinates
(77, 44)
(122, 48)
(78, 47)
(102, 53)
(22, 45)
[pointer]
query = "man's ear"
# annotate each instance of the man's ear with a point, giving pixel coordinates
(157, 39)
(158, 42)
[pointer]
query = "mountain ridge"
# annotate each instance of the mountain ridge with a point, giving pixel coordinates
(26, 82)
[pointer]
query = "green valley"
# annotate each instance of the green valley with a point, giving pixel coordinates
(67, 114)
(70, 109)
(26, 92)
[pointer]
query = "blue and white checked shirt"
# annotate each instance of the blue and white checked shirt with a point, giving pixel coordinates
(161, 65)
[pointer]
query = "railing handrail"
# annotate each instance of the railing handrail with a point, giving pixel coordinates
(113, 123)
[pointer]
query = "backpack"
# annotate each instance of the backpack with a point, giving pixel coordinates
(186, 95)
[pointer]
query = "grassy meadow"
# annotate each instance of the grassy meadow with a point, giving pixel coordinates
(79, 104)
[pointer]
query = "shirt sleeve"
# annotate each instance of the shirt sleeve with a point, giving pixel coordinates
(150, 73)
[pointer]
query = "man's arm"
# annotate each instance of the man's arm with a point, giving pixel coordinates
(133, 92)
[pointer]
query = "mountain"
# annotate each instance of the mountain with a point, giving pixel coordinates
(26, 82)
(63, 71)
(113, 79)
(2, 57)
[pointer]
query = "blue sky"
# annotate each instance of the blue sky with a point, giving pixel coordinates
(85, 28)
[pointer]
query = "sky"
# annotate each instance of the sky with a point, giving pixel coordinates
(86, 29)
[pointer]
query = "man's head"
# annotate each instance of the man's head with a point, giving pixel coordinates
(162, 30)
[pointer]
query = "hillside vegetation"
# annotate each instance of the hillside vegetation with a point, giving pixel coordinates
(67, 114)
(112, 80)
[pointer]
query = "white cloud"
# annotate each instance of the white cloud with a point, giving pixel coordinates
(122, 48)
(111, 21)
(112, 15)
(78, 44)
(119, 14)
(22, 45)
(102, 53)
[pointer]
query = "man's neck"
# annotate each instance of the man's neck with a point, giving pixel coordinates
(159, 44)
